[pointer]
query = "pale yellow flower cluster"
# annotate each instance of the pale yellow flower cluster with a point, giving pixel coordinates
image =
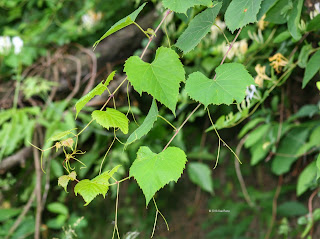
(278, 61)
(261, 75)
(238, 49)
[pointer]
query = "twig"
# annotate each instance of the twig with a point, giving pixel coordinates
(37, 191)
(310, 201)
(155, 32)
(13, 160)
(78, 76)
(274, 208)
(25, 210)
(239, 174)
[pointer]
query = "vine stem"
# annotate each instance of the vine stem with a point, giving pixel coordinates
(155, 32)
(195, 109)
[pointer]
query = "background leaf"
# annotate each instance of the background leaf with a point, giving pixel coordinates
(161, 78)
(294, 19)
(230, 84)
(201, 175)
(198, 28)
(306, 178)
(153, 171)
(312, 68)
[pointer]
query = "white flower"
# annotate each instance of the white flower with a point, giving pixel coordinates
(5, 45)
(316, 10)
(90, 19)
(251, 90)
(17, 44)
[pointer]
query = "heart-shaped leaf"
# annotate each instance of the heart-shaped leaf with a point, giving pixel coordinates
(153, 171)
(161, 78)
(230, 84)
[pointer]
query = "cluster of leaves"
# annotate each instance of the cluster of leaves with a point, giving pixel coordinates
(280, 141)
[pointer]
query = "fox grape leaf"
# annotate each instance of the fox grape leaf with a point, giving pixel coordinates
(198, 28)
(98, 90)
(111, 118)
(161, 78)
(241, 12)
(230, 84)
(153, 171)
(89, 189)
(181, 6)
(124, 22)
(312, 68)
(146, 126)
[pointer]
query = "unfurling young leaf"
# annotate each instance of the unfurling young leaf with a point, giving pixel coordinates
(124, 22)
(181, 6)
(153, 171)
(111, 118)
(161, 78)
(198, 28)
(61, 135)
(89, 189)
(98, 90)
(230, 84)
(64, 180)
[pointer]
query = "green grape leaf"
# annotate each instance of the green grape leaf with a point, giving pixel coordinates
(230, 84)
(181, 6)
(61, 135)
(153, 171)
(124, 22)
(64, 179)
(111, 118)
(98, 90)
(201, 175)
(161, 78)
(306, 178)
(146, 126)
(198, 28)
(312, 68)
(294, 19)
(241, 12)
(89, 189)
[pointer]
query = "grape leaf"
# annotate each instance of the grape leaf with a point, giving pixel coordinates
(89, 189)
(241, 13)
(124, 22)
(64, 179)
(111, 118)
(201, 175)
(98, 90)
(312, 68)
(161, 78)
(146, 126)
(198, 28)
(153, 171)
(230, 84)
(181, 6)
(294, 19)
